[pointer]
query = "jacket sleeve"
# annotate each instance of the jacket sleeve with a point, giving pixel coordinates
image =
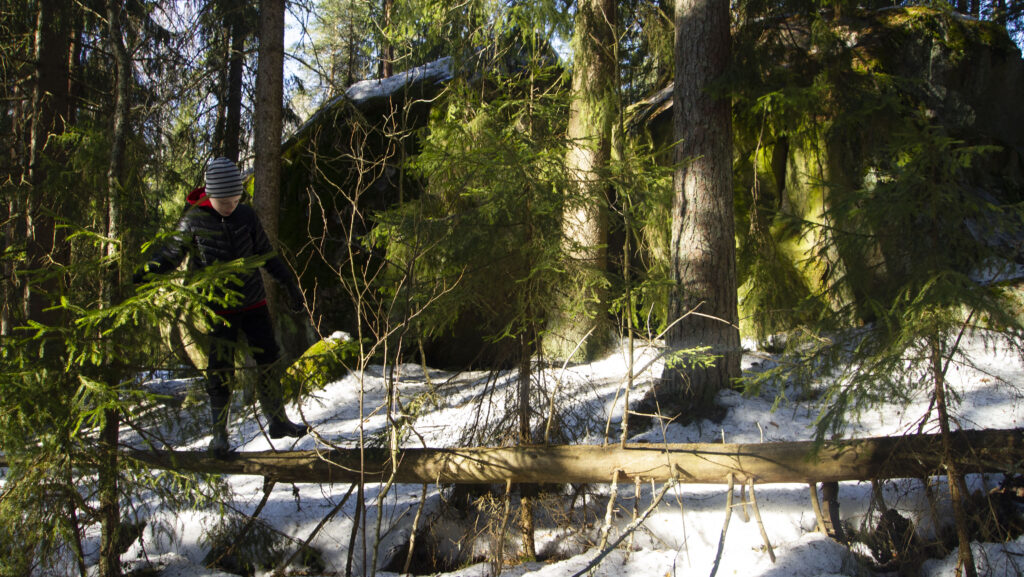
(169, 255)
(275, 265)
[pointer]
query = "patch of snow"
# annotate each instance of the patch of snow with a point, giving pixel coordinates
(683, 532)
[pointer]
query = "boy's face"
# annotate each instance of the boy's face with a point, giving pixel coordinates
(225, 205)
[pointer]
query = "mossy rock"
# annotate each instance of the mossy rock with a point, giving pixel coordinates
(326, 361)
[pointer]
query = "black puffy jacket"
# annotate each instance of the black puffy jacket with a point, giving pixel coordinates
(208, 238)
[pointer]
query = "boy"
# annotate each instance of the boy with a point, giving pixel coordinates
(217, 228)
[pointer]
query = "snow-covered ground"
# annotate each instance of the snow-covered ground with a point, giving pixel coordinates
(682, 535)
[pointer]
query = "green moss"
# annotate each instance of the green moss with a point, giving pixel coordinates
(326, 361)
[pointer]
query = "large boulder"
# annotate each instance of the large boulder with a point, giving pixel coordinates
(820, 105)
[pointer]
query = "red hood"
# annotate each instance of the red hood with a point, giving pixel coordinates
(198, 197)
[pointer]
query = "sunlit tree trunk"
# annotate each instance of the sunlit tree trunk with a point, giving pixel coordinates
(267, 127)
(267, 140)
(583, 309)
(703, 257)
(387, 51)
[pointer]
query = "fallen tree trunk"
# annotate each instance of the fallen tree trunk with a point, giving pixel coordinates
(787, 462)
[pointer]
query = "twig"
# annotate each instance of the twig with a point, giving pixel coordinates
(637, 487)
(380, 516)
(499, 559)
(608, 513)
(817, 509)
(629, 529)
(760, 524)
(305, 543)
(725, 526)
(412, 533)
(558, 384)
(268, 487)
(743, 503)
(357, 518)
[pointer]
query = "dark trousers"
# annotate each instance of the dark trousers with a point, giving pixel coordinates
(258, 329)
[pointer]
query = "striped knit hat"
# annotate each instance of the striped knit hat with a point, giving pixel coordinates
(222, 178)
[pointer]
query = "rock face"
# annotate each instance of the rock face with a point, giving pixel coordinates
(341, 166)
(346, 184)
(968, 74)
(824, 111)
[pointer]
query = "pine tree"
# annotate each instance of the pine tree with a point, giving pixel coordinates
(579, 325)
(703, 308)
(72, 363)
(912, 239)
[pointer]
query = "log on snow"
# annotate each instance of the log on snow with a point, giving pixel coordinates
(782, 462)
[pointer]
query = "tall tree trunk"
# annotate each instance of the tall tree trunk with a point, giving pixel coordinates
(236, 23)
(18, 109)
(267, 140)
(584, 309)
(387, 50)
(267, 128)
(527, 346)
(110, 512)
(954, 477)
(50, 103)
(703, 246)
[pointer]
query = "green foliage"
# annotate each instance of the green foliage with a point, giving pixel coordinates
(425, 31)
(60, 383)
(34, 510)
(870, 238)
(341, 47)
(643, 201)
(244, 546)
(647, 47)
(939, 256)
(689, 359)
(815, 128)
(484, 239)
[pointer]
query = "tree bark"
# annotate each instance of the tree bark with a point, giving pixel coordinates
(387, 51)
(267, 139)
(911, 456)
(585, 221)
(957, 486)
(50, 103)
(236, 23)
(109, 496)
(267, 128)
(109, 473)
(703, 258)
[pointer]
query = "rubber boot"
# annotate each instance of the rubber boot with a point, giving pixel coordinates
(279, 425)
(219, 446)
(283, 427)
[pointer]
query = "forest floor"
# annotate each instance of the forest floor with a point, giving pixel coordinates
(459, 532)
